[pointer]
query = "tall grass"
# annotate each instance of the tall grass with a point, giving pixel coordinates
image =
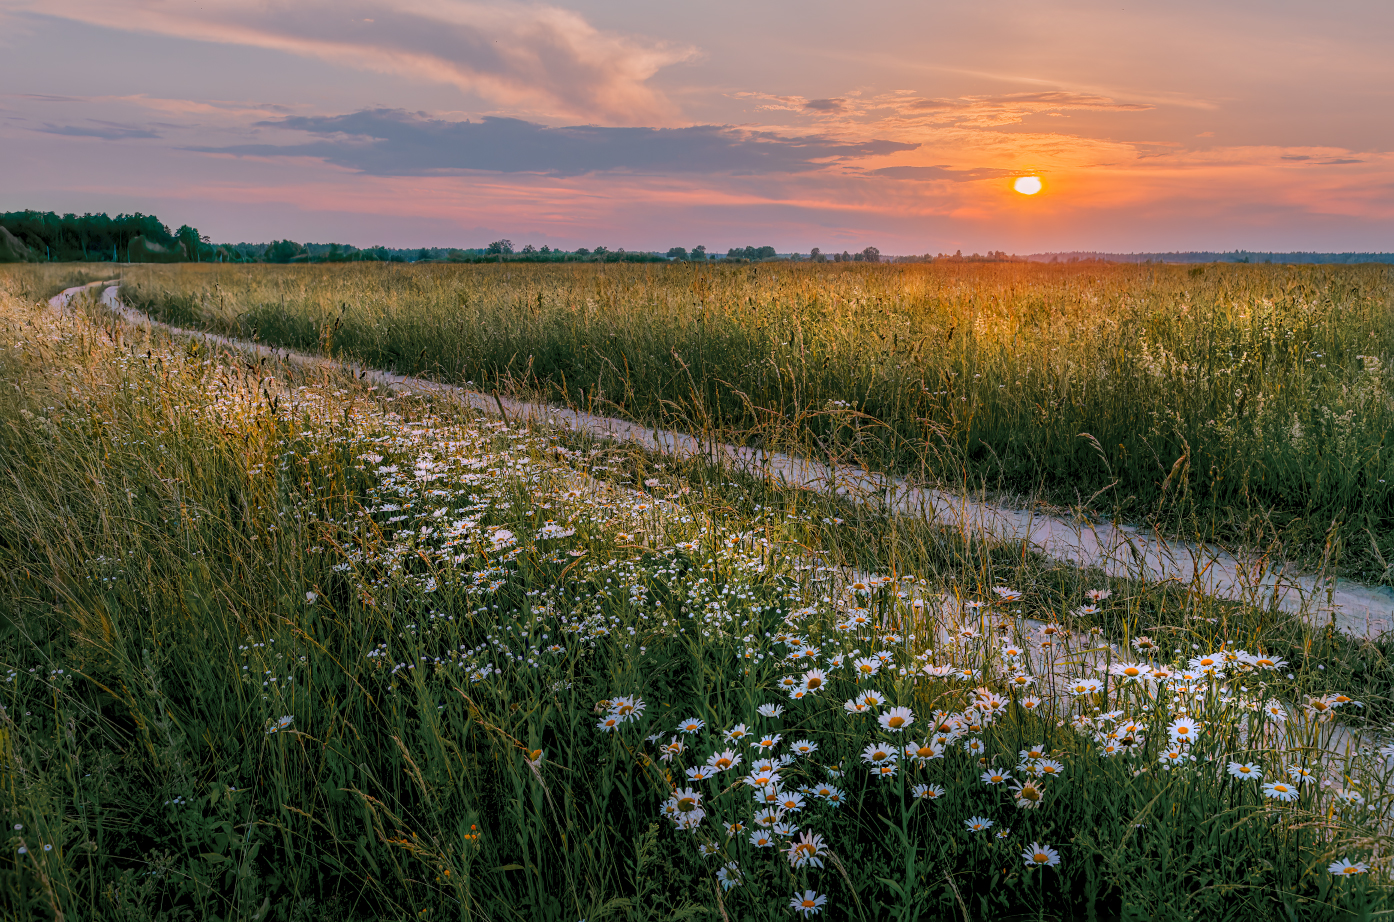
(1239, 402)
(290, 648)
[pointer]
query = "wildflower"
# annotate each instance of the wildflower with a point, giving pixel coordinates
(897, 719)
(729, 876)
(1319, 708)
(700, 772)
(805, 747)
(1279, 790)
(814, 679)
(1020, 680)
(534, 757)
(760, 779)
(973, 746)
(279, 725)
(1086, 687)
(927, 792)
(1350, 798)
(1097, 595)
(834, 770)
(1174, 757)
(1244, 770)
(835, 797)
(807, 903)
(767, 818)
(1007, 595)
(720, 761)
(1345, 867)
(1028, 794)
(607, 724)
(1183, 729)
(788, 682)
(761, 839)
(1205, 662)
(1264, 662)
(784, 829)
(668, 751)
(923, 752)
(737, 733)
(995, 777)
(866, 667)
(938, 671)
(628, 708)
(1049, 768)
(1038, 856)
(854, 706)
(1132, 672)
(791, 801)
(687, 799)
(1030, 702)
(691, 725)
(707, 849)
(767, 742)
(1032, 753)
(770, 710)
(734, 829)
(808, 850)
(1300, 775)
(978, 823)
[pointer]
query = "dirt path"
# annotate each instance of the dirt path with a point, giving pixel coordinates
(1118, 550)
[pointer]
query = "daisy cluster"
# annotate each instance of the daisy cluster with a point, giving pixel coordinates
(921, 693)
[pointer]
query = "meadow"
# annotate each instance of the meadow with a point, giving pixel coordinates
(1244, 403)
(281, 645)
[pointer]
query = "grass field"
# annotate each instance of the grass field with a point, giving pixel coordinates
(1245, 403)
(288, 647)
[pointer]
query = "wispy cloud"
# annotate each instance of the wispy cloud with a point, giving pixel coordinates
(532, 57)
(391, 142)
(108, 131)
(940, 173)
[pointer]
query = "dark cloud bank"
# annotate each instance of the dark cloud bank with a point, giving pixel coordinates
(392, 142)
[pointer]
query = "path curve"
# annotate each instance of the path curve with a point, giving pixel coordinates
(1118, 550)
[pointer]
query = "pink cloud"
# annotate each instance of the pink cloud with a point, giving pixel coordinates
(537, 59)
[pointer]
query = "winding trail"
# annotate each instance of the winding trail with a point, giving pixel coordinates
(1118, 550)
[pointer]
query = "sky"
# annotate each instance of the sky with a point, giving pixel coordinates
(1154, 126)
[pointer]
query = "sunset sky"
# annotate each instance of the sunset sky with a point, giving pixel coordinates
(1178, 125)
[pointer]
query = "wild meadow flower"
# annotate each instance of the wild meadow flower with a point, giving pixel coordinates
(804, 747)
(761, 779)
(667, 751)
(1049, 768)
(729, 876)
(1032, 753)
(865, 667)
(973, 746)
(691, 725)
(1347, 868)
(807, 903)
(876, 753)
(770, 710)
(1244, 771)
(978, 824)
(1028, 794)
(761, 839)
(737, 733)
(1133, 672)
(720, 761)
(791, 801)
(992, 776)
(1174, 757)
(808, 851)
(767, 742)
(1097, 595)
(1183, 729)
(1300, 775)
(923, 752)
(700, 773)
(1007, 595)
(927, 791)
(784, 830)
(1319, 708)
(279, 725)
(897, 719)
(734, 829)
(1041, 856)
(1279, 790)
(814, 679)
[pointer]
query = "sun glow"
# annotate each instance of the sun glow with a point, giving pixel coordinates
(1027, 185)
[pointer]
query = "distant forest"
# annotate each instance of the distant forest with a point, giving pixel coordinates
(46, 236)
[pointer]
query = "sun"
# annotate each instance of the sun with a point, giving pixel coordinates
(1027, 185)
